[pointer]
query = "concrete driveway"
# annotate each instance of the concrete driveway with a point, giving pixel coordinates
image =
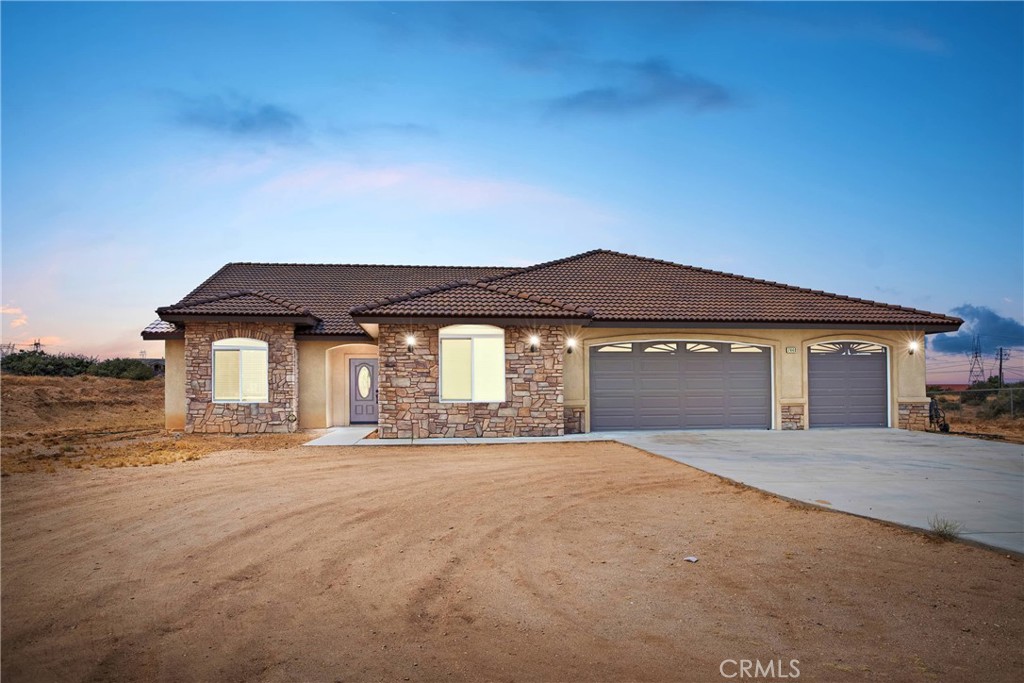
(889, 474)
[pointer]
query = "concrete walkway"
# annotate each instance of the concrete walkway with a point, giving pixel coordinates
(888, 474)
(343, 436)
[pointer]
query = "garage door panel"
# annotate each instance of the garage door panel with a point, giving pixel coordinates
(847, 385)
(699, 385)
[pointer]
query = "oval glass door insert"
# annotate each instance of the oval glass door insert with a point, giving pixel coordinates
(363, 381)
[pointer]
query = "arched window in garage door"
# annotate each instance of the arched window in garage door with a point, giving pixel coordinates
(848, 384)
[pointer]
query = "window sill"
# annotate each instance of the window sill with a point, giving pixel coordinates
(469, 402)
(240, 403)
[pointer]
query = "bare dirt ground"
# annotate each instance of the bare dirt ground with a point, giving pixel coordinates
(540, 562)
(84, 421)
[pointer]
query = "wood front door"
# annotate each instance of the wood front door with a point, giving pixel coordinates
(362, 390)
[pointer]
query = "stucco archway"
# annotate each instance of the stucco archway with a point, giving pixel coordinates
(338, 380)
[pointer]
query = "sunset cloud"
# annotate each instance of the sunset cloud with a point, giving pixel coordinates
(18, 315)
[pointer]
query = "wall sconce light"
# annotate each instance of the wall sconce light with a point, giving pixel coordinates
(534, 342)
(410, 342)
(912, 347)
(570, 344)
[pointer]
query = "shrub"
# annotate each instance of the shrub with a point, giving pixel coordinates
(122, 368)
(42, 363)
(946, 529)
(1000, 405)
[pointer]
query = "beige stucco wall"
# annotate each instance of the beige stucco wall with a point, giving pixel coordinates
(906, 371)
(174, 384)
(323, 381)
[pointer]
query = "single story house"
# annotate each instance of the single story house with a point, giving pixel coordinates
(597, 341)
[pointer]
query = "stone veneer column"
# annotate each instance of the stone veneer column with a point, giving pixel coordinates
(913, 416)
(574, 420)
(792, 416)
(409, 399)
(279, 414)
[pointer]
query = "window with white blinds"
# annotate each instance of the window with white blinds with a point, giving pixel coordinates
(240, 368)
(472, 363)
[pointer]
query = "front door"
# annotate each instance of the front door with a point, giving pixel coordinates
(362, 390)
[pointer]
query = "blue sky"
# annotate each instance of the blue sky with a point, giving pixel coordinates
(875, 150)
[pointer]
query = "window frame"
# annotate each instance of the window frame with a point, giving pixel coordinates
(259, 345)
(493, 333)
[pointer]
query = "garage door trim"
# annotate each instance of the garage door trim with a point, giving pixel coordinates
(840, 340)
(589, 344)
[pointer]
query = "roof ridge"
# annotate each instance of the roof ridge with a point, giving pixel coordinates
(280, 301)
(781, 285)
(546, 301)
(355, 265)
(267, 296)
(545, 264)
(202, 284)
(407, 296)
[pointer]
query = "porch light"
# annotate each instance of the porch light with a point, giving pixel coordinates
(912, 347)
(410, 342)
(534, 342)
(570, 344)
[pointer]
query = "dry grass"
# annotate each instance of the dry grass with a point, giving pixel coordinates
(85, 422)
(964, 421)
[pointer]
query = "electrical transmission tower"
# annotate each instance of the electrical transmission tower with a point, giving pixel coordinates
(977, 373)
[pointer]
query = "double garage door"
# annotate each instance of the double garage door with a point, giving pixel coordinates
(680, 385)
(709, 385)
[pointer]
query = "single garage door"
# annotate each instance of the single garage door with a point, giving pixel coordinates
(847, 385)
(680, 385)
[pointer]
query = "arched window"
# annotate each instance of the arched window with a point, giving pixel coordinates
(240, 371)
(472, 363)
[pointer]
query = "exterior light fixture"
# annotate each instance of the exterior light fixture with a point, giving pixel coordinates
(410, 342)
(534, 342)
(912, 347)
(570, 344)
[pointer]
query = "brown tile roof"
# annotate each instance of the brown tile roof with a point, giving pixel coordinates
(158, 329)
(243, 302)
(329, 291)
(624, 288)
(479, 300)
(600, 285)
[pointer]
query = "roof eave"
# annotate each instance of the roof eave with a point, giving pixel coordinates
(209, 317)
(507, 321)
(162, 336)
(927, 328)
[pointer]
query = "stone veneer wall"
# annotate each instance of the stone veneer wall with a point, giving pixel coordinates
(792, 417)
(913, 416)
(277, 415)
(574, 420)
(409, 393)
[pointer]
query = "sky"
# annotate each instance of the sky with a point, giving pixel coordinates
(871, 149)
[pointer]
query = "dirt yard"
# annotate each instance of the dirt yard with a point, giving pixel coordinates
(512, 563)
(84, 421)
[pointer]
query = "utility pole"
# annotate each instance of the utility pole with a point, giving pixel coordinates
(1003, 354)
(977, 373)
(37, 346)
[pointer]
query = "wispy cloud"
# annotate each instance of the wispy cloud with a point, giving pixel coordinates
(403, 129)
(993, 331)
(18, 315)
(431, 186)
(633, 87)
(239, 117)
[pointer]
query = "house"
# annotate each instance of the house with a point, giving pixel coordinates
(596, 341)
